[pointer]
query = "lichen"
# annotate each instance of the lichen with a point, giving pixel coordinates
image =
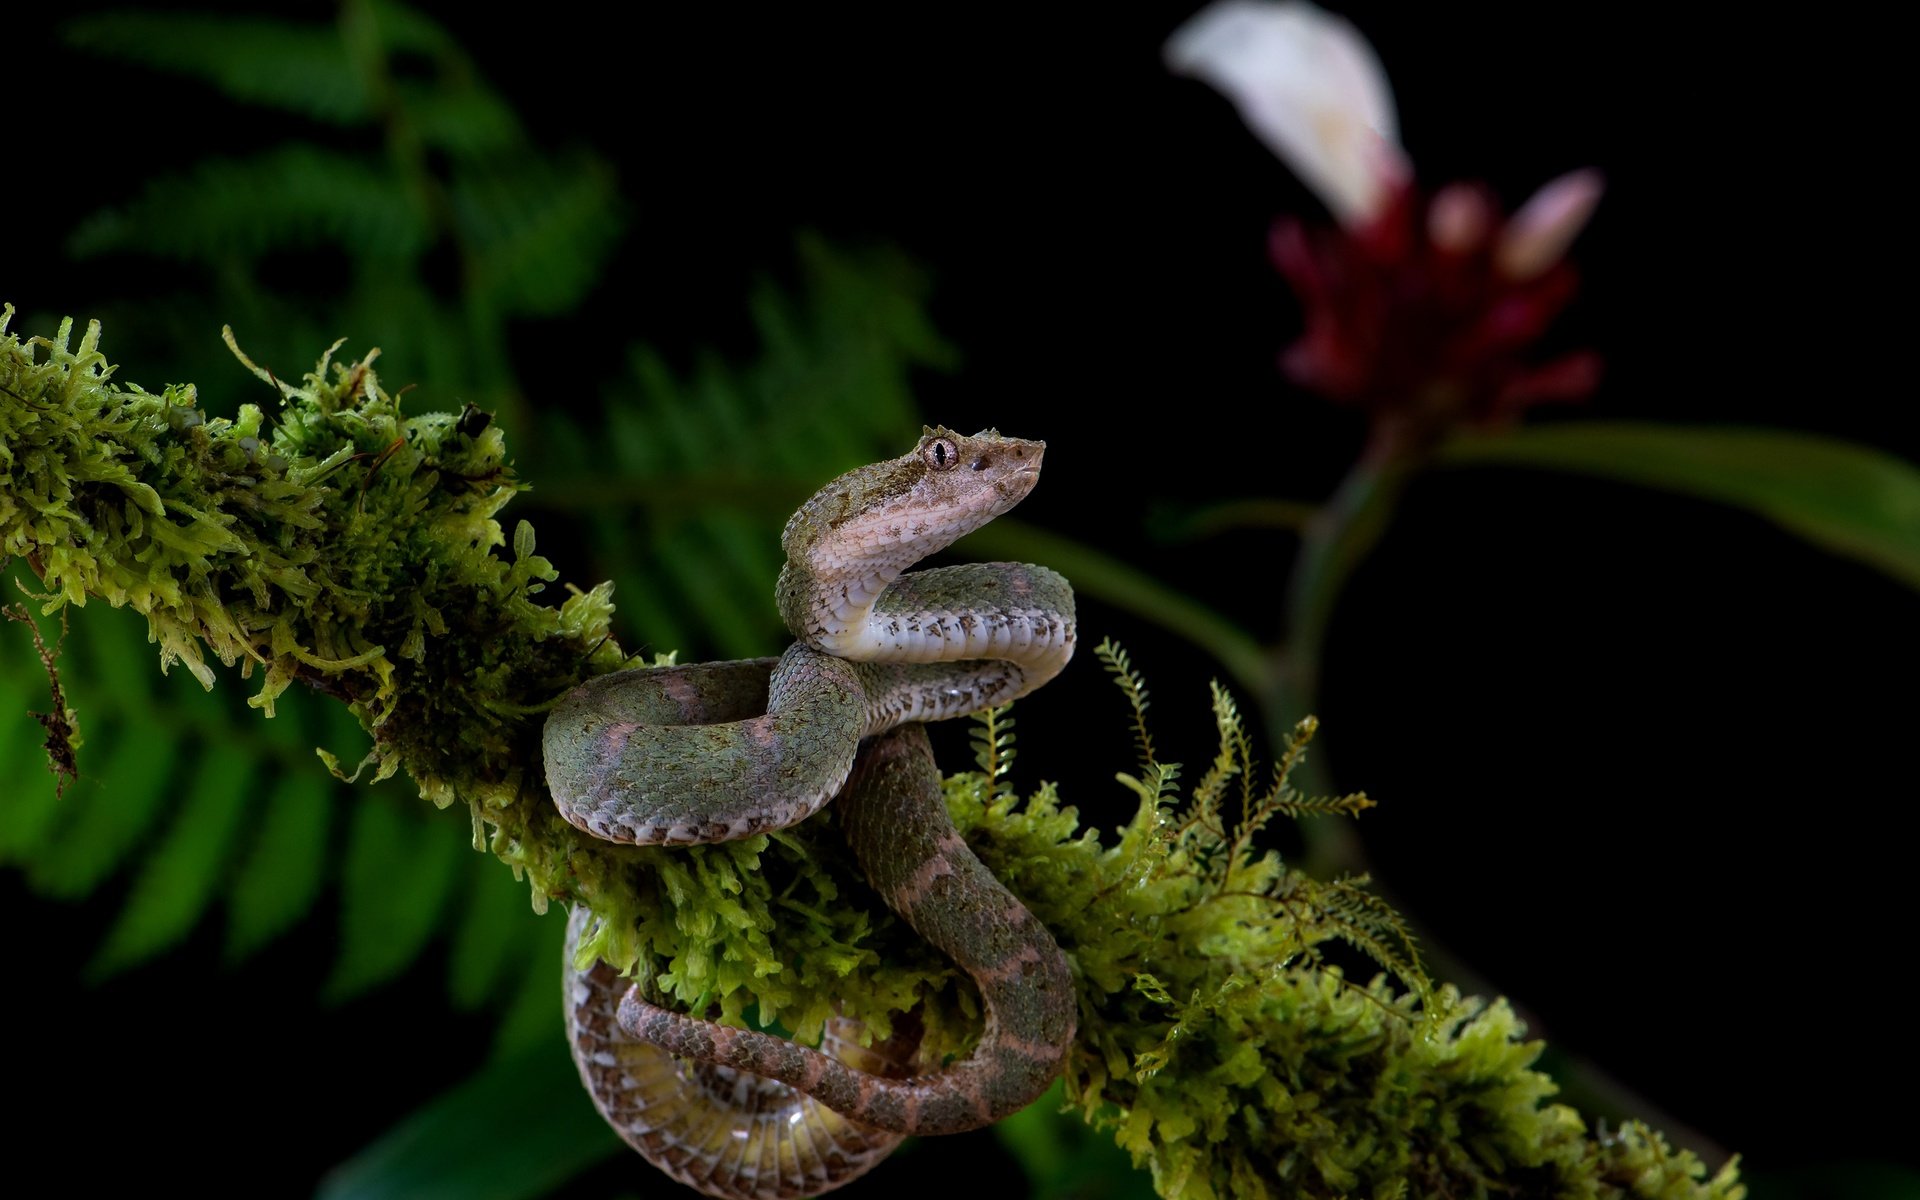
(355, 550)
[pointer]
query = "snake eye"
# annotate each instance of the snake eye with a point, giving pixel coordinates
(940, 454)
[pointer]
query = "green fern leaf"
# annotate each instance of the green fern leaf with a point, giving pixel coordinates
(400, 28)
(182, 873)
(493, 937)
(736, 624)
(31, 807)
(284, 869)
(121, 793)
(399, 873)
(467, 123)
(302, 69)
(539, 233)
(294, 197)
(666, 495)
(124, 784)
(533, 1016)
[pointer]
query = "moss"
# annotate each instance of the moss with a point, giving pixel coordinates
(1224, 1051)
(355, 550)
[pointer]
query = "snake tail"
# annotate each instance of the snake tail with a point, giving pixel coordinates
(896, 821)
(730, 1135)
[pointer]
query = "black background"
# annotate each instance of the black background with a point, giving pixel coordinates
(1641, 759)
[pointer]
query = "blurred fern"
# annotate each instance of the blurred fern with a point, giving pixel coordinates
(210, 814)
(453, 178)
(683, 484)
(206, 807)
(207, 812)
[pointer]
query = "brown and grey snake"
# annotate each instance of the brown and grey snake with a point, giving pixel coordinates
(716, 751)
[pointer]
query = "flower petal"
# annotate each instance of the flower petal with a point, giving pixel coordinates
(1309, 86)
(1537, 236)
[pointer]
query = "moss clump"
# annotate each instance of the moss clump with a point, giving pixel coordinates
(356, 550)
(1229, 1058)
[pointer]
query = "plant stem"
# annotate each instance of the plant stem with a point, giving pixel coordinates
(1335, 541)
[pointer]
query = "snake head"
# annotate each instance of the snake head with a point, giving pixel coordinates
(892, 514)
(959, 471)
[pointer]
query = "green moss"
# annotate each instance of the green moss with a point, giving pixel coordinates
(356, 550)
(1224, 1052)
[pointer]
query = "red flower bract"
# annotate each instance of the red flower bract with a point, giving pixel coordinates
(1417, 316)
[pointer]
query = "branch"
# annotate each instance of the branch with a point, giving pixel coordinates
(356, 551)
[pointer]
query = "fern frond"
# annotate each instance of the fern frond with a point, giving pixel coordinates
(279, 874)
(399, 877)
(469, 123)
(293, 197)
(538, 234)
(298, 68)
(179, 875)
(685, 493)
(208, 810)
(530, 231)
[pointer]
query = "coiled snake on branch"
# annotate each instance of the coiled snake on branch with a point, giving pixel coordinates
(716, 751)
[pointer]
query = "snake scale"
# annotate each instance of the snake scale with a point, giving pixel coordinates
(714, 751)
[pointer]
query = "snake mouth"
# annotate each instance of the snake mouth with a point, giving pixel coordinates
(1020, 479)
(1027, 461)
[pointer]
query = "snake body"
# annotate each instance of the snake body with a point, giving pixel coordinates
(714, 1128)
(717, 751)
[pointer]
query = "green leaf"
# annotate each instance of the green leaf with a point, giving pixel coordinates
(687, 484)
(467, 122)
(540, 234)
(300, 68)
(515, 1131)
(294, 197)
(119, 795)
(30, 808)
(282, 874)
(533, 1016)
(1850, 499)
(182, 873)
(400, 869)
(1063, 1157)
(494, 933)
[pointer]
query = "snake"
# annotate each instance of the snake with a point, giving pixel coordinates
(710, 752)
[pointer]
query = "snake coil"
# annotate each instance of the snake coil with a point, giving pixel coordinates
(716, 751)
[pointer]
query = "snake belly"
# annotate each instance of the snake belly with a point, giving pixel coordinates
(722, 1131)
(716, 751)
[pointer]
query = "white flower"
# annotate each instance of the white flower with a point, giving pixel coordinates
(1311, 87)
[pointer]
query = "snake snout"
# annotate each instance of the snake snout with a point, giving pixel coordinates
(1019, 458)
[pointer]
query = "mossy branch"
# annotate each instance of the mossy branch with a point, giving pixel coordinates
(357, 551)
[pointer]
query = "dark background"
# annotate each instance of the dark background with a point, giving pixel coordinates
(1641, 759)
